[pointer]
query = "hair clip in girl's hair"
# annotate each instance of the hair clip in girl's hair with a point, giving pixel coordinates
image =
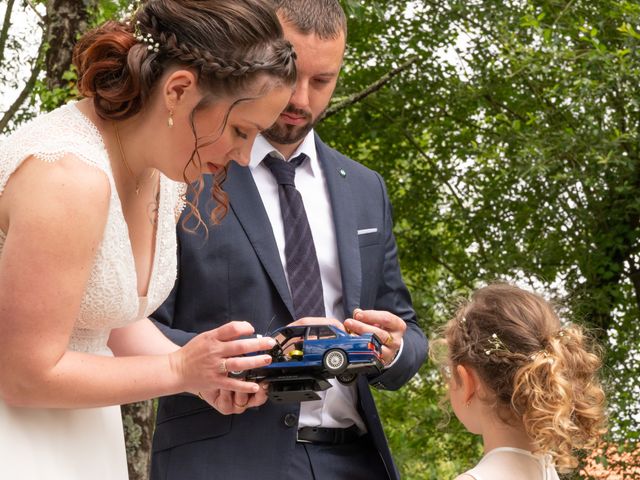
(496, 345)
(545, 354)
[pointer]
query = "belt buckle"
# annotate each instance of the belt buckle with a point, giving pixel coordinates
(300, 440)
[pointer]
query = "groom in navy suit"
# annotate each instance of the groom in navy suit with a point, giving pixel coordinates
(243, 271)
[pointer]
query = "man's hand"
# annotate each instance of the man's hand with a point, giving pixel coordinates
(228, 402)
(318, 321)
(388, 327)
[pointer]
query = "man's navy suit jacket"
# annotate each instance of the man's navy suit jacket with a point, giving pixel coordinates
(236, 274)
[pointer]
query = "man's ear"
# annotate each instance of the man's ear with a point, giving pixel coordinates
(468, 381)
(179, 87)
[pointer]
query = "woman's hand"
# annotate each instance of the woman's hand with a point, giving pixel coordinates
(203, 364)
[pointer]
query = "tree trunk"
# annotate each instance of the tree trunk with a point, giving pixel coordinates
(66, 20)
(138, 419)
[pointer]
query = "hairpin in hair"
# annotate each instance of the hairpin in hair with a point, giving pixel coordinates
(496, 345)
(147, 39)
(133, 7)
(130, 12)
(545, 354)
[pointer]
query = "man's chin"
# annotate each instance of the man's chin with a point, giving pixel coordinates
(287, 134)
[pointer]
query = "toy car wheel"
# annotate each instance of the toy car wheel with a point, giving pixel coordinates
(335, 361)
(347, 378)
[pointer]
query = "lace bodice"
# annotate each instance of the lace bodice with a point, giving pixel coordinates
(110, 299)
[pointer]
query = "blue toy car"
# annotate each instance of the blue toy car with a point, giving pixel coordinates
(324, 351)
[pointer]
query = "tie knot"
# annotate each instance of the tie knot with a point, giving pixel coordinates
(284, 172)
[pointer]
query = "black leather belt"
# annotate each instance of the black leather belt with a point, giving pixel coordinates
(328, 436)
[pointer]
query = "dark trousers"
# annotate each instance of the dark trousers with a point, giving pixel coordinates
(352, 461)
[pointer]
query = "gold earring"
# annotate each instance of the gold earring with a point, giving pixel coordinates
(170, 119)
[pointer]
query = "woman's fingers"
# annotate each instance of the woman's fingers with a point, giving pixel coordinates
(233, 348)
(206, 361)
(232, 331)
(239, 364)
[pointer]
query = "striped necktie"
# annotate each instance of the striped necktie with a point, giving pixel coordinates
(300, 252)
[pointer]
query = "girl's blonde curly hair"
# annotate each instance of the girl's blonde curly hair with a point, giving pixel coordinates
(537, 371)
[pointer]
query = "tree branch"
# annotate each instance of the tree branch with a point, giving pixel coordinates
(21, 98)
(503, 107)
(35, 71)
(457, 275)
(564, 10)
(35, 10)
(374, 87)
(4, 34)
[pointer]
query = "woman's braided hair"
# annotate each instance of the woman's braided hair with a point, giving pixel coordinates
(538, 373)
(230, 44)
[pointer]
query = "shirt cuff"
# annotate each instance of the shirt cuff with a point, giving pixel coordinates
(398, 353)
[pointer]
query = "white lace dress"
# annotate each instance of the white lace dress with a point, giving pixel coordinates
(85, 444)
(506, 463)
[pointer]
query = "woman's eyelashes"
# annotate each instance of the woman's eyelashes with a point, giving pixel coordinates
(240, 133)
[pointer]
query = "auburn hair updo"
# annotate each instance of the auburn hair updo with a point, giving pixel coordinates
(230, 44)
(538, 372)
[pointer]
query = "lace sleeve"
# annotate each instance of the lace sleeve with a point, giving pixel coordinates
(51, 136)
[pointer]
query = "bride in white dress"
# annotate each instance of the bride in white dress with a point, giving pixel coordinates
(89, 196)
(528, 386)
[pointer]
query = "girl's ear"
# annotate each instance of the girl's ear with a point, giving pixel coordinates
(468, 382)
(178, 88)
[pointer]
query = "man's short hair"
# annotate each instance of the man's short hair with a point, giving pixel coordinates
(325, 18)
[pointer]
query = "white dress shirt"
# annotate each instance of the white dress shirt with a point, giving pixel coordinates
(337, 407)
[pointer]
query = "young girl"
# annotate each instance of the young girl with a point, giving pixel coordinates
(526, 384)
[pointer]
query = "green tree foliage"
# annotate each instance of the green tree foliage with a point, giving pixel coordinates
(510, 150)
(36, 45)
(507, 131)
(21, 60)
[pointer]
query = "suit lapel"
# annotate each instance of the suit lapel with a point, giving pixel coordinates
(336, 172)
(246, 203)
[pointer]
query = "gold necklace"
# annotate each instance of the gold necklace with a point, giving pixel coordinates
(124, 160)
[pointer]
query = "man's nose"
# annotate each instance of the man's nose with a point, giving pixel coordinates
(300, 96)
